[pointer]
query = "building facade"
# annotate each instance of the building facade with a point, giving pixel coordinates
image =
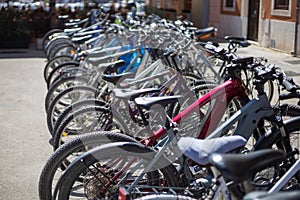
(271, 23)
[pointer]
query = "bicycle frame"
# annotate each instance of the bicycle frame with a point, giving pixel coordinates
(248, 116)
(221, 95)
(164, 89)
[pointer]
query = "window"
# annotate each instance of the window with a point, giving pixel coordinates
(281, 4)
(281, 7)
(229, 5)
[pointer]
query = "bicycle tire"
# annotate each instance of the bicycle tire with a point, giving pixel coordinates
(62, 133)
(45, 38)
(268, 140)
(77, 105)
(56, 42)
(85, 92)
(55, 71)
(163, 169)
(62, 50)
(59, 158)
(289, 110)
(196, 81)
(61, 84)
(51, 64)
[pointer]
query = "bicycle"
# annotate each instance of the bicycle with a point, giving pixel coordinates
(230, 167)
(250, 121)
(130, 82)
(225, 167)
(143, 78)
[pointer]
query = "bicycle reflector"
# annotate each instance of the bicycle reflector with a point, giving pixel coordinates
(123, 194)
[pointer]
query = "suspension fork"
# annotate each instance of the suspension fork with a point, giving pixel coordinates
(284, 142)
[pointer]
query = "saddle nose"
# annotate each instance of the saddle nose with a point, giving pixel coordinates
(241, 167)
(200, 150)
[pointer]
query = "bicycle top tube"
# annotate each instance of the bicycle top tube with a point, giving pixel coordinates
(223, 94)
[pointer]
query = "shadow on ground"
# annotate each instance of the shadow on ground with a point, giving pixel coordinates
(21, 53)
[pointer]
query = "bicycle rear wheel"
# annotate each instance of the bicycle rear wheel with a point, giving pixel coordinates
(62, 84)
(48, 35)
(84, 120)
(57, 71)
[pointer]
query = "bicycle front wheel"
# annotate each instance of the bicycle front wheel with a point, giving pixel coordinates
(64, 155)
(100, 172)
(265, 179)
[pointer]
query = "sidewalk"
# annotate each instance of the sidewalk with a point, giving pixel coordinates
(284, 60)
(289, 63)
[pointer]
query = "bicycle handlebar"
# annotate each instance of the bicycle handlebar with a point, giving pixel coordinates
(288, 84)
(289, 96)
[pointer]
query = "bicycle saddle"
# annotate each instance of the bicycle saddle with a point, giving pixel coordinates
(238, 38)
(129, 94)
(200, 150)
(115, 78)
(204, 31)
(147, 102)
(240, 167)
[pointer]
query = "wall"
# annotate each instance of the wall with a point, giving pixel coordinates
(214, 13)
(278, 34)
(233, 22)
(230, 25)
(278, 31)
(200, 13)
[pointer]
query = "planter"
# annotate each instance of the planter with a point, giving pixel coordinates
(10, 42)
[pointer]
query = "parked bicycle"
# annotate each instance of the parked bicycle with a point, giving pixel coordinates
(130, 153)
(144, 156)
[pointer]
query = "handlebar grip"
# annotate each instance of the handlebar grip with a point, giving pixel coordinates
(288, 85)
(245, 60)
(289, 96)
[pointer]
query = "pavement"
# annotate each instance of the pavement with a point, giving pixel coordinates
(289, 63)
(23, 131)
(24, 135)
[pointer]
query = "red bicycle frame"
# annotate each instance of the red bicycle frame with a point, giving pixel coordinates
(221, 95)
